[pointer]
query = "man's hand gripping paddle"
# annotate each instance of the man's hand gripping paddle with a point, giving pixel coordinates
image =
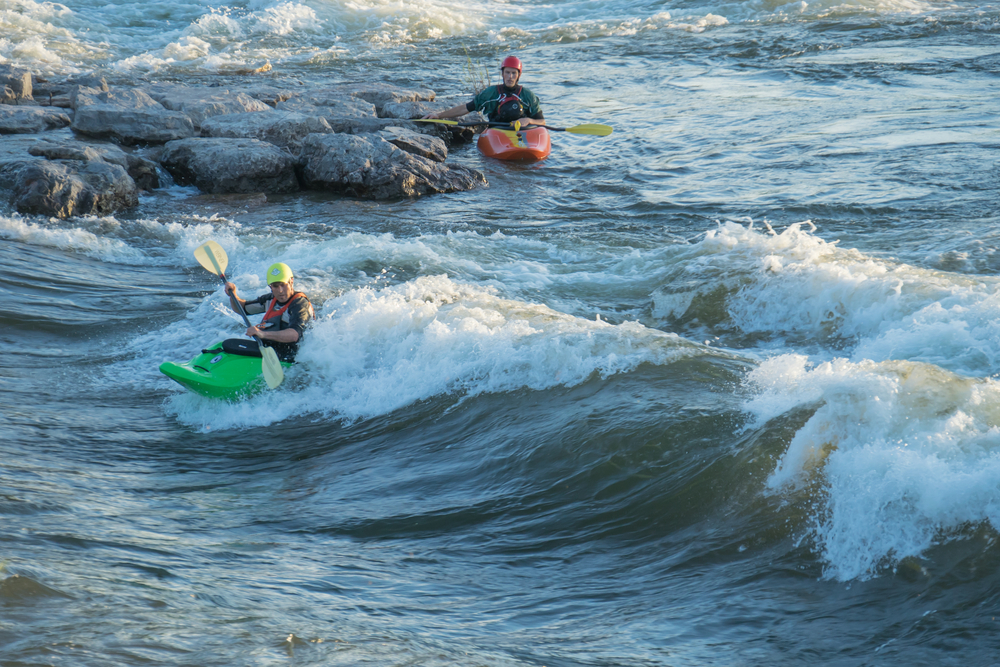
(211, 256)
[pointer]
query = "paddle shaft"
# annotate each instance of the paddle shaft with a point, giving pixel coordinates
(586, 128)
(243, 313)
(508, 126)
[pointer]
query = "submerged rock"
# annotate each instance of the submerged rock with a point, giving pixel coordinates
(369, 167)
(130, 117)
(66, 188)
(224, 165)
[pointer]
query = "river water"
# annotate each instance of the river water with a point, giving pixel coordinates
(720, 388)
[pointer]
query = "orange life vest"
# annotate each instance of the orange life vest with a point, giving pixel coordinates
(271, 313)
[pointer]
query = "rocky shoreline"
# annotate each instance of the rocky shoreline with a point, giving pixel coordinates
(81, 147)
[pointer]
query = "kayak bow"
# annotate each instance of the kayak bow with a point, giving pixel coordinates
(229, 369)
(530, 144)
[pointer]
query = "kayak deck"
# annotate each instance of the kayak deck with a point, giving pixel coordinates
(218, 373)
(530, 144)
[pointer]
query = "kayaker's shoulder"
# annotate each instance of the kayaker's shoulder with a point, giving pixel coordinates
(301, 307)
(487, 93)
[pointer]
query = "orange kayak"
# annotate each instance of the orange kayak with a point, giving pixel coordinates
(530, 144)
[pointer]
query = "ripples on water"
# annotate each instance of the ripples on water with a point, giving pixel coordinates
(620, 407)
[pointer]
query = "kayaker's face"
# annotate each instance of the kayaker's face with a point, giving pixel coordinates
(510, 76)
(281, 291)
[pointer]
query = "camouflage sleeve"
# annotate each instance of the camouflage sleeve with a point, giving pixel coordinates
(257, 306)
(300, 313)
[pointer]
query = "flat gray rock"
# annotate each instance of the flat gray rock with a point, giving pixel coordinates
(142, 171)
(330, 109)
(15, 85)
(30, 120)
(410, 110)
(226, 166)
(369, 167)
(448, 133)
(84, 95)
(45, 90)
(281, 128)
(130, 117)
(203, 103)
(269, 94)
(379, 94)
(423, 145)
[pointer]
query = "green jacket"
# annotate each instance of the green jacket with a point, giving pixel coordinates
(488, 101)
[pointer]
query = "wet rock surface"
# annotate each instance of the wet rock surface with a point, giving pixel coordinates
(231, 166)
(72, 187)
(130, 117)
(15, 85)
(31, 120)
(139, 169)
(369, 167)
(67, 153)
(432, 148)
(329, 108)
(281, 128)
(200, 104)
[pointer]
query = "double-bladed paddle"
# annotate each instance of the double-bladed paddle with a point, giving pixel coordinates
(211, 256)
(594, 129)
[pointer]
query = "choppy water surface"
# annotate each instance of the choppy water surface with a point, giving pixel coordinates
(717, 389)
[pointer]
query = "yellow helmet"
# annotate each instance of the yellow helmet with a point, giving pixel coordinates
(279, 273)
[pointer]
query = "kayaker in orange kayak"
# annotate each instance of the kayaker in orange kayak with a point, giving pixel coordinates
(505, 103)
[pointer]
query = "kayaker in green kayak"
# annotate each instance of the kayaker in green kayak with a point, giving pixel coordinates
(287, 313)
(505, 103)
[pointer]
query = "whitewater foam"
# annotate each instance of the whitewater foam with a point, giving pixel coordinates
(795, 283)
(373, 351)
(897, 457)
(54, 38)
(901, 448)
(71, 238)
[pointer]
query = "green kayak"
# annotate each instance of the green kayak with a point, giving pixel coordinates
(229, 369)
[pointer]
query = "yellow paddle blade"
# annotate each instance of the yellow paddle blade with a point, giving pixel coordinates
(212, 257)
(274, 374)
(435, 120)
(591, 128)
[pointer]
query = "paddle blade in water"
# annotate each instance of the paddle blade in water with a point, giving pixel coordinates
(211, 256)
(591, 128)
(274, 374)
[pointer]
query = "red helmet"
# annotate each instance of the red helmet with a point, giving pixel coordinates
(511, 61)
